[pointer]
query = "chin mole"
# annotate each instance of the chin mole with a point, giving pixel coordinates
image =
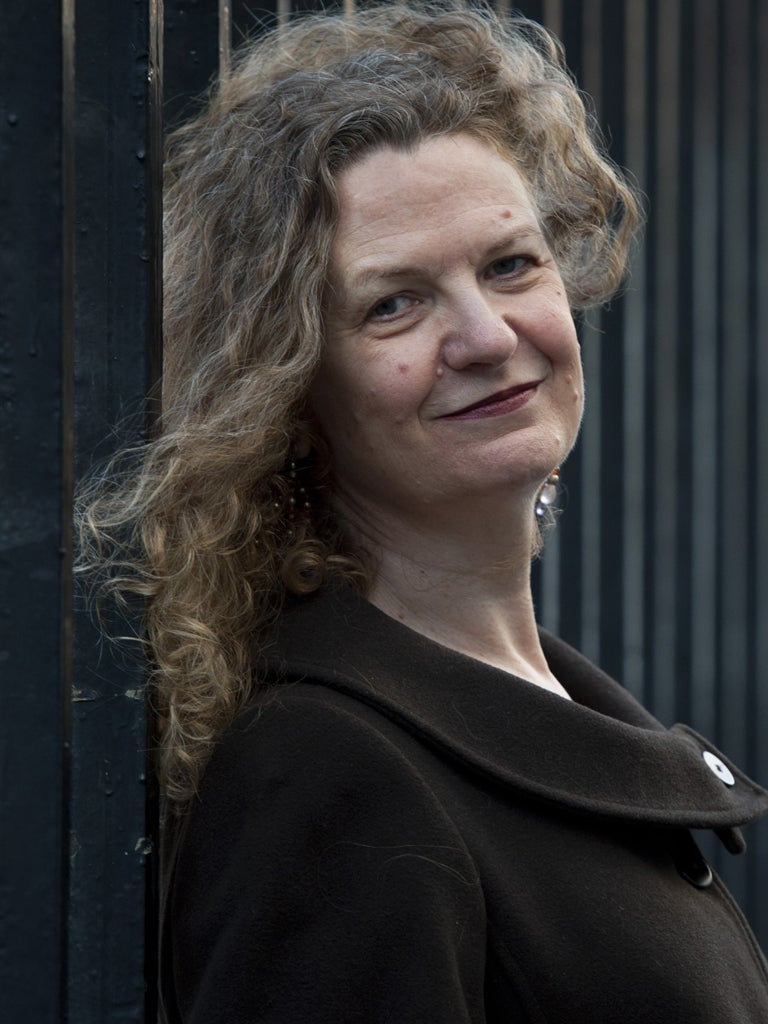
(403, 367)
(506, 214)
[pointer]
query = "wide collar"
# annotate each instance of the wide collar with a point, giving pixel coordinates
(600, 753)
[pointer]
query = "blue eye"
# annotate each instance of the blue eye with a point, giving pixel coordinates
(509, 265)
(390, 307)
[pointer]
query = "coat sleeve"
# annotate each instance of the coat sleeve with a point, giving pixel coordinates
(320, 880)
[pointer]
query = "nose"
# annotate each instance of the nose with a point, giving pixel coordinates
(477, 333)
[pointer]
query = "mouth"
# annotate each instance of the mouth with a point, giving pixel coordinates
(497, 404)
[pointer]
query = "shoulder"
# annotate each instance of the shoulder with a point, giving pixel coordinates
(304, 732)
(316, 853)
(303, 758)
(307, 785)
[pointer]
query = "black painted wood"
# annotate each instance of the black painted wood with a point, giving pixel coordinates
(191, 55)
(114, 321)
(249, 17)
(32, 719)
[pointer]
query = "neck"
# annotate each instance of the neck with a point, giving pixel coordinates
(461, 580)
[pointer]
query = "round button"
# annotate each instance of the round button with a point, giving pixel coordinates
(697, 872)
(722, 771)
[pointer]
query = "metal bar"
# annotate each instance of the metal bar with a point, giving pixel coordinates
(607, 21)
(568, 20)
(553, 16)
(225, 36)
(635, 327)
(704, 390)
(665, 377)
(759, 482)
(592, 428)
(548, 570)
(734, 380)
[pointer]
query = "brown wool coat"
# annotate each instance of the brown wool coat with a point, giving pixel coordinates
(397, 833)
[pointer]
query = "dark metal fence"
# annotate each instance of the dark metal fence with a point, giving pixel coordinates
(658, 570)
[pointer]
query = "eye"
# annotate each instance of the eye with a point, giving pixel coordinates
(509, 266)
(390, 307)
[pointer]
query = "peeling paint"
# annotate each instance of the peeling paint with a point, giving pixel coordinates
(144, 846)
(79, 695)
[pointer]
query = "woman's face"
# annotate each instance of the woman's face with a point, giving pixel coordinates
(451, 367)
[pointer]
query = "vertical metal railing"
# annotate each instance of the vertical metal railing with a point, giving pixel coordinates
(632, 669)
(759, 480)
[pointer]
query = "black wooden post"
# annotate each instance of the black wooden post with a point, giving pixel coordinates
(111, 336)
(32, 928)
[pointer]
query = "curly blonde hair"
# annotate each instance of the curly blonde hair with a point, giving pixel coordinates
(198, 521)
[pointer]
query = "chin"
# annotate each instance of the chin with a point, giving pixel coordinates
(528, 468)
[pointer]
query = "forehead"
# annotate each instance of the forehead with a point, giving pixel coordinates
(448, 186)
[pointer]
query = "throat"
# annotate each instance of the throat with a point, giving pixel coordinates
(505, 638)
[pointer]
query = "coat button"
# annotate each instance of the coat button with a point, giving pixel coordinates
(689, 862)
(696, 871)
(716, 766)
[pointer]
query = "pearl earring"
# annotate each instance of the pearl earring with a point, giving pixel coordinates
(547, 495)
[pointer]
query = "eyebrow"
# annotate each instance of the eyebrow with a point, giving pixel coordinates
(378, 273)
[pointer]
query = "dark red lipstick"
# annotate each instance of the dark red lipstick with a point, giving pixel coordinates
(498, 404)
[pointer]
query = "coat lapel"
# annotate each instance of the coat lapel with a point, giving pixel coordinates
(600, 753)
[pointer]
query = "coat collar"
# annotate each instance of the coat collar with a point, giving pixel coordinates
(601, 753)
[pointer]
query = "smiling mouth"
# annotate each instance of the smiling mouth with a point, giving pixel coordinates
(498, 404)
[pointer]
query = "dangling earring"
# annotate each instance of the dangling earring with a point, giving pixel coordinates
(547, 495)
(297, 497)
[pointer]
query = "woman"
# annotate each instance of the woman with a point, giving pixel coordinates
(400, 800)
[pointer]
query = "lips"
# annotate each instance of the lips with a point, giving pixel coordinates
(498, 403)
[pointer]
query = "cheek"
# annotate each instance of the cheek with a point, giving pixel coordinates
(362, 399)
(567, 354)
(390, 389)
(346, 403)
